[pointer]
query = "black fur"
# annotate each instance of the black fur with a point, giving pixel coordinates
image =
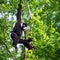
(17, 31)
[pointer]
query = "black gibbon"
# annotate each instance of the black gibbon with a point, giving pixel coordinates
(17, 31)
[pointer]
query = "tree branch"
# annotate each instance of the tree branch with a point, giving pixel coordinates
(29, 12)
(30, 15)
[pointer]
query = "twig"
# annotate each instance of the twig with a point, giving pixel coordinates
(29, 12)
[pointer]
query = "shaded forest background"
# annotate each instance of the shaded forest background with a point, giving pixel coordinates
(44, 28)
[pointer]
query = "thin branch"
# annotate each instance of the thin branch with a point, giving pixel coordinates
(30, 15)
(29, 12)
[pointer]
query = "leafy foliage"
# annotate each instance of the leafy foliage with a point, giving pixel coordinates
(45, 28)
